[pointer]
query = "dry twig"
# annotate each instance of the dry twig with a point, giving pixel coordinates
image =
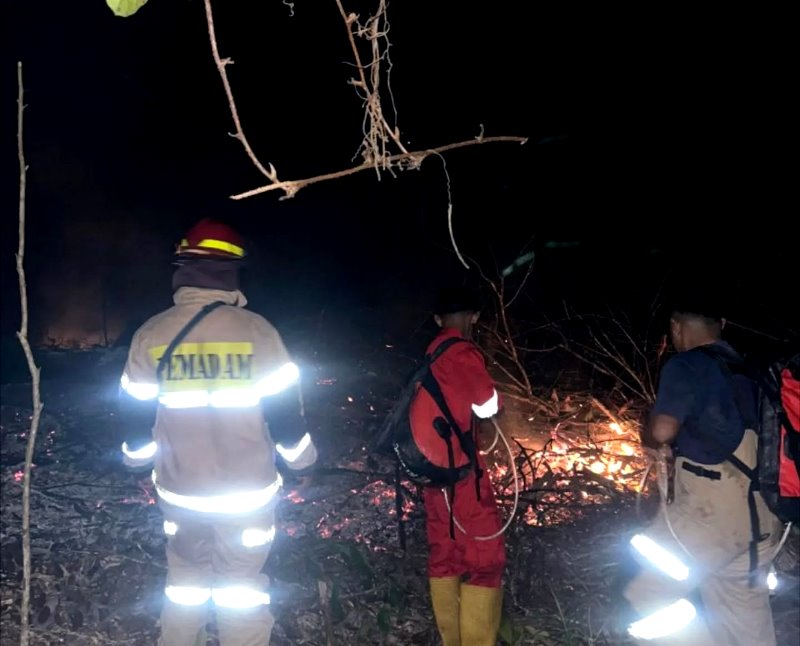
(505, 335)
(628, 365)
(378, 133)
(22, 335)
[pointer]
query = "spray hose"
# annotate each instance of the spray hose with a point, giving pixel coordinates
(662, 479)
(459, 526)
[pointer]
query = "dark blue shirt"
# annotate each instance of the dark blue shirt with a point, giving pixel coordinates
(695, 389)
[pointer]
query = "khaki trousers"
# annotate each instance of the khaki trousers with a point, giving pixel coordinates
(708, 528)
(210, 555)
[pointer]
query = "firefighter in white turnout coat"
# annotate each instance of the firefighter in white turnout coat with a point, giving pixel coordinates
(215, 474)
(706, 557)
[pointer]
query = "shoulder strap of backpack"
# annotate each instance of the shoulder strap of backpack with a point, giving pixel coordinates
(442, 347)
(740, 407)
(430, 384)
(750, 474)
(180, 336)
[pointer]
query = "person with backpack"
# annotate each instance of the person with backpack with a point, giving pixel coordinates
(203, 375)
(466, 556)
(705, 558)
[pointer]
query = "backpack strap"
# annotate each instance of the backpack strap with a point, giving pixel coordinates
(443, 346)
(384, 434)
(448, 426)
(430, 384)
(751, 474)
(180, 336)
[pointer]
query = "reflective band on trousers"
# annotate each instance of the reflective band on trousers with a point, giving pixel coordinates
(239, 596)
(665, 561)
(144, 453)
(253, 537)
(186, 595)
(234, 503)
(232, 596)
(244, 397)
(488, 408)
(665, 621)
(170, 528)
(291, 454)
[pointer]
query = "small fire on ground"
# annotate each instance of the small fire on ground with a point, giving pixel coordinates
(574, 469)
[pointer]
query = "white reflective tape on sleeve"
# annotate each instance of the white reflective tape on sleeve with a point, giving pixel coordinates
(170, 528)
(239, 596)
(138, 390)
(668, 563)
(279, 380)
(488, 408)
(144, 453)
(185, 595)
(254, 537)
(291, 454)
(664, 622)
(236, 503)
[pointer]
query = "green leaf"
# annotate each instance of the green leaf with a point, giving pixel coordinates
(125, 8)
(396, 597)
(385, 620)
(358, 560)
(337, 609)
(507, 632)
(354, 558)
(313, 568)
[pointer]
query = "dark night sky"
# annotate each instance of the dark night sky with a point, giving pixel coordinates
(647, 131)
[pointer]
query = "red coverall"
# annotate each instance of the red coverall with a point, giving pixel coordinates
(467, 387)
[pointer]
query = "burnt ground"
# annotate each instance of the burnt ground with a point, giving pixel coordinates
(339, 576)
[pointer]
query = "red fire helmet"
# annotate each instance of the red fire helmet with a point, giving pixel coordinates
(211, 238)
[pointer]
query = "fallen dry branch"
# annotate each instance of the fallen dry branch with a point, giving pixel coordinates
(22, 335)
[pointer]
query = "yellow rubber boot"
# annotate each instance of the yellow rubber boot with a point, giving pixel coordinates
(444, 598)
(481, 610)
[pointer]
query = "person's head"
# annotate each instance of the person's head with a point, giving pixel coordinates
(457, 308)
(690, 327)
(209, 256)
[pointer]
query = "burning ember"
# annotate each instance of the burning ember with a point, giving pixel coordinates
(572, 470)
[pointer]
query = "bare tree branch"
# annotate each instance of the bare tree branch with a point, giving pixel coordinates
(22, 335)
(522, 284)
(411, 160)
(379, 131)
(221, 63)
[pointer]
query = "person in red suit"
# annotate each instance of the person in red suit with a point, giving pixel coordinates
(465, 572)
